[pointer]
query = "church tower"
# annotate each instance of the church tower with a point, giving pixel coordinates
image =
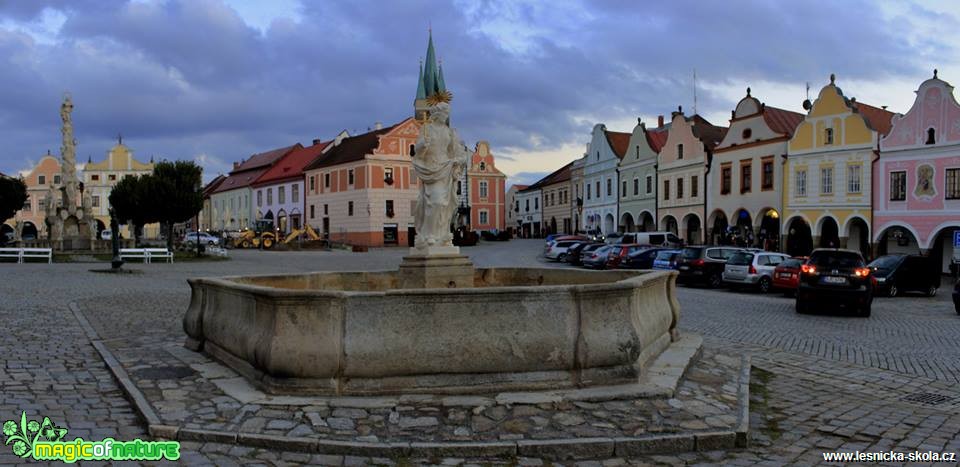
(429, 82)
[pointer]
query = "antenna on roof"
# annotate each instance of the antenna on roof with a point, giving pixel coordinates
(694, 91)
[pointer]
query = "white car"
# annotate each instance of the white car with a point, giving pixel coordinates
(106, 235)
(205, 238)
(752, 268)
(558, 251)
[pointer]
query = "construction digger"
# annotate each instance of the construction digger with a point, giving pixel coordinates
(262, 236)
(296, 233)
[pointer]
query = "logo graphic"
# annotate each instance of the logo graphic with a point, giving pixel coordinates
(44, 441)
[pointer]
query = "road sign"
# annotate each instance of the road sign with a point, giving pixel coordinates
(956, 239)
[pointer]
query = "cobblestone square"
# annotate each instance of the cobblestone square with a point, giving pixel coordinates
(819, 383)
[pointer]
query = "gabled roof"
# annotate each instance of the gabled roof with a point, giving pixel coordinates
(560, 175)
(212, 186)
(518, 187)
(350, 149)
(782, 121)
(657, 137)
(251, 169)
(708, 133)
(618, 142)
(263, 159)
(877, 119)
(291, 165)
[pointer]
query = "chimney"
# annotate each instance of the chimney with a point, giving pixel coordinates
(377, 126)
(316, 141)
(659, 121)
(236, 165)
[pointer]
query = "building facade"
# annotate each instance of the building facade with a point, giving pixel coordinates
(638, 178)
(745, 200)
(682, 168)
(206, 213)
(100, 177)
(32, 217)
(576, 191)
(514, 216)
(916, 193)
(279, 194)
(600, 179)
(232, 208)
(827, 190)
(486, 187)
(556, 199)
(364, 188)
(530, 217)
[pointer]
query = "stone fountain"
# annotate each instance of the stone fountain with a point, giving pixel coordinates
(437, 325)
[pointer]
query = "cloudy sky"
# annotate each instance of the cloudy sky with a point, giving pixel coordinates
(218, 80)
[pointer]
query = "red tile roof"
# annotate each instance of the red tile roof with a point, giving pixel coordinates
(350, 149)
(560, 175)
(877, 118)
(618, 142)
(291, 166)
(519, 187)
(708, 133)
(251, 169)
(782, 121)
(657, 137)
(212, 186)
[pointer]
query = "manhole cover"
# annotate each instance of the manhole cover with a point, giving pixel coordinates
(927, 398)
(163, 372)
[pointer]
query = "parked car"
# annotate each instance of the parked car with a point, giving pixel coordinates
(613, 238)
(191, 238)
(786, 276)
(835, 276)
(641, 259)
(752, 269)
(619, 252)
(576, 253)
(956, 297)
(558, 251)
(667, 259)
(894, 274)
(106, 235)
(596, 259)
(667, 239)
(704, 264)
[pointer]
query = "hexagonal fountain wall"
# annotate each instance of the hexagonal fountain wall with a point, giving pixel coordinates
(357, 333)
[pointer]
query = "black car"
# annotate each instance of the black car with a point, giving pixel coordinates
(704, 265)
(642, 259)
(893, 274)
(835, 276)
(576, 253)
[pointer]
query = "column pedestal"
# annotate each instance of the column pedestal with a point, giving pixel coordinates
(436, 268)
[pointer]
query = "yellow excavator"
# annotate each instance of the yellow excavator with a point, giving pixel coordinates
(251, 239)
(311, 234)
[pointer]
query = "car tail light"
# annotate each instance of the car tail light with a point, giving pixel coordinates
(808, 269)
(753, 270)
(861, 272)
(697, 262)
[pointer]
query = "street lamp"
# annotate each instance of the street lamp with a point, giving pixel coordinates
(197, 221)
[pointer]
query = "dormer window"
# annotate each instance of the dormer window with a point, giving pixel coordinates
(747, 133)
(598, 155)
(679, 151)
(931, 136)
(638, 152)
(828, 139)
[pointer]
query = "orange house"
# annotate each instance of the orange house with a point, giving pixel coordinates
(487, 190)
(362, 190)
(38, 181)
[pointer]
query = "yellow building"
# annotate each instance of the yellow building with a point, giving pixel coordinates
(827, 187)
(100, 177)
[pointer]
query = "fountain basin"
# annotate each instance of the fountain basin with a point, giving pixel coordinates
(356, 333)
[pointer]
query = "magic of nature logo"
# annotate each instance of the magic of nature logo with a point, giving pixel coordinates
(43, 440)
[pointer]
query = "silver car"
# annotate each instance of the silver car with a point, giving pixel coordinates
(753, 269)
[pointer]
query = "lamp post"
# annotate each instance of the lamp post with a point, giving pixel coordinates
(197, 223)
(116, 262)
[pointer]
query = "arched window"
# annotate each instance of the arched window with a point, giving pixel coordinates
(931, 136)
(413, 152)
(483, 166)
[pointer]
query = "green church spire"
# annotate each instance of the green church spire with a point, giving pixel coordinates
(430, 72)
(441, 86)
(421, 89)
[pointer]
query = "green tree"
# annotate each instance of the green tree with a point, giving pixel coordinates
(176, 195)
(13, 193)
(134, 203)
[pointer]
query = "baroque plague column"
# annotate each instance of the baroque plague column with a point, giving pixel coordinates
(68, 216)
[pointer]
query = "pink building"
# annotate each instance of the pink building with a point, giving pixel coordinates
(487, 187)
(917, 177)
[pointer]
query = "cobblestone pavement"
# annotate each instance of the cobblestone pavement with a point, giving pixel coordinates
(821, 382)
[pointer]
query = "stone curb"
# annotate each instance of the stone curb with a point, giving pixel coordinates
(553, 449)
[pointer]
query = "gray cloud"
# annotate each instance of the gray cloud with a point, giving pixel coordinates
(186, 78)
